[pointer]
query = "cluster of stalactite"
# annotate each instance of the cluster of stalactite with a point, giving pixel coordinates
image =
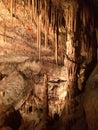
(51, 15)
(81, 48)
(88, 40)
(48, 16)
(81, 45)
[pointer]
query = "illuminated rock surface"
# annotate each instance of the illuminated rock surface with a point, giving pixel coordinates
(48, 49)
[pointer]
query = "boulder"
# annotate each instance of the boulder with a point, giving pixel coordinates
(14, 89)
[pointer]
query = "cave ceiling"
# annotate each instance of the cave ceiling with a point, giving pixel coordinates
(93, 3)
(96, 11)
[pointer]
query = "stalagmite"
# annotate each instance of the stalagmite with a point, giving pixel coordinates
(45, 100)
(37, 31)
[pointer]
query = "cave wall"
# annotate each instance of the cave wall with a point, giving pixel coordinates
(80, 57)
(78, 24)
(81, 51)
(75, 29)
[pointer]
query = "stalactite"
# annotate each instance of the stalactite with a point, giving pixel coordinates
(84, 22)
(15, 4)
(56, 36)
(75, 7)
(52, 15)
(50, 11)
(38, 3)
(24, 6)
(20, 2)
(12, 11)
(37, 31)
(45, 21)
(4, 31)
(75, 24)
(57, 32)
(38, 13)
(39, 42)
(30, 10)
(33, 15)
(86, 15)
(46, 34)
(46, 26)
(66, 17)
(72, 12)
(56, 57)
(29, 4)
(35, 7)
(69, 10)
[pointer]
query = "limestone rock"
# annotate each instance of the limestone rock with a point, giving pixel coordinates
(7, 68)
(32, 65)
(14, 89)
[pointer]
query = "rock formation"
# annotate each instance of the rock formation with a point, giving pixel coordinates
(48, 49)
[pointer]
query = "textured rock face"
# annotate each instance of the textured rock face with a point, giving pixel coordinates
(90, 101)
(91, 108)
(9, 118)
(14, 88)
(73, 45)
